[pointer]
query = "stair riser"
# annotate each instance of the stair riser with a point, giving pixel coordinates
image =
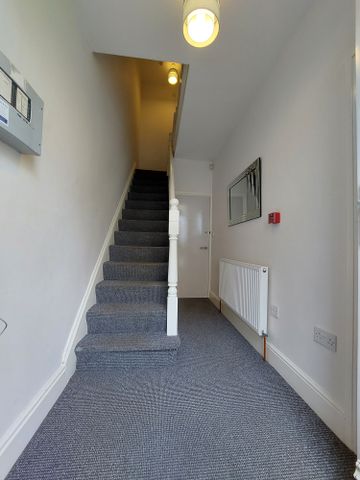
(146, 205)
(145, 214)
(138, 294)
(151, 197)
(156, 186)
(154, 239)
(153, 188)
(155, 181)
(142, 171)
(152, 175)
(149, 189)
(143, 226)
(145, 322)
(142, 359)
(122, 253)
(136, 272)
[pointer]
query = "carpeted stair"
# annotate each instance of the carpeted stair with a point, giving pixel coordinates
(127, 326)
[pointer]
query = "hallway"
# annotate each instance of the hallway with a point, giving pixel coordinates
(219, 413)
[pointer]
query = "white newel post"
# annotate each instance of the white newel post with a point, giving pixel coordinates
(172, 300)
(357, 471)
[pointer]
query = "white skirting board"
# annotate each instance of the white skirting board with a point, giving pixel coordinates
(79, 326)
(21, 431)
(312, 393)
(214, 299)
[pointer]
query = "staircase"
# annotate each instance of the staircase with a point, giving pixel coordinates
(127, 326)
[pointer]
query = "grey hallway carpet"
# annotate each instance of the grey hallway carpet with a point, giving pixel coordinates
(219, 413)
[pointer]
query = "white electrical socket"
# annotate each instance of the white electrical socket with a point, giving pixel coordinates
(274, 311)
(326, 339)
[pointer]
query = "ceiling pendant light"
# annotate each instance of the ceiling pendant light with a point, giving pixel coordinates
(201, 22)
(173, 76)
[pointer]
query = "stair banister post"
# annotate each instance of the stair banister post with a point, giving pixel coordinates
(172, 300)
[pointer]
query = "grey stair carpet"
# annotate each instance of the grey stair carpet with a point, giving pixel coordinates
(126, 318)
(156, 197)
(147, 204)
(155, 182)
(218, 413)
(146, 239)
(144, 225)
(132, 214)
(142, 188)
(127, 326)
(126, 351)
(138, 253)
(116, 291)
(135, 271)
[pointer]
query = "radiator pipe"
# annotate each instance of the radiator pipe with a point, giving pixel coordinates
(264, 355)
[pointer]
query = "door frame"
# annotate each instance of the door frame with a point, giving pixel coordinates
(192, 194)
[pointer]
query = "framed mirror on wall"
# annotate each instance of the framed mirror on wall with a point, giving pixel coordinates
(244, 195)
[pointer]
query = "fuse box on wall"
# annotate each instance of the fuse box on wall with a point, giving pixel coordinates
(21, 111)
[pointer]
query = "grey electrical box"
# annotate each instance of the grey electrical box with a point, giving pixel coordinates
(21, 111)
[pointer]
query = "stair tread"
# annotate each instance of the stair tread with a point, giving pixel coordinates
(142, 182)
(128, 308)
(150, 172)
(140, 247)
(142, 214)
(147, 264)
(152, 197)
(138, 220)
(143, 220)
(142, 231)
(139, 253)
(147, 203)
(132, 283)
(164, 202)
(148, 210)
(127, 238)
(148, 189)
(152, 234)
(128, 342)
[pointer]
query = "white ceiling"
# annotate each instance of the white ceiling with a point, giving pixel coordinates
(222, 78)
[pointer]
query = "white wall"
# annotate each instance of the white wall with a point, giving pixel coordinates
(56, 209)
(357, 236)
(300, 123)
(192, 177)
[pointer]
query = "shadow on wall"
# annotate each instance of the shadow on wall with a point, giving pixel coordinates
(123, 75)
(159, 100)
(152, 107)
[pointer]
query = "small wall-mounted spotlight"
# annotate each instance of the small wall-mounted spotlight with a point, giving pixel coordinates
(173, 76)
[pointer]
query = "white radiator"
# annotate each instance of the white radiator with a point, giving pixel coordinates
(244, 288)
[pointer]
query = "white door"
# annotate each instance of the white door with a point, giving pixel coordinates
(194, 246)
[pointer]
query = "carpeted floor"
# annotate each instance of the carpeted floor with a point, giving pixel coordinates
(219, 413)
